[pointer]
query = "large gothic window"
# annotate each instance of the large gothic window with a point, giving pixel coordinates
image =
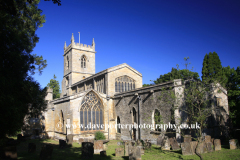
(83, 62)
(91, 111)
(125, 83)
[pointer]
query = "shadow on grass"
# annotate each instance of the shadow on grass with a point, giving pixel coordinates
(179, 151)
(67, 153)
(225, 146)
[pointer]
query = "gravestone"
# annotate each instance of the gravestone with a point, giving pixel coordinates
(133, 143)
(119, 152)
(142, 150)
(233, 143)
(166, 144)
(126, 147)
(160, 140)
(10, 152)
(46, 152)
(135, 153)
(207, 139)
(174, 144)
(148, 145)
(186, 148)
(87, 150)
(98, 146)
(69, 139)
(139, 143)
(62, 143)
(193, 146)
(105, 146)
(209, 146)
(202, 148)
(103, 153)
(187, 138)
(217, 144)
(31, 147)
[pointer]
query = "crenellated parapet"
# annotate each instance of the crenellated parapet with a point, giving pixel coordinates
(79, 46)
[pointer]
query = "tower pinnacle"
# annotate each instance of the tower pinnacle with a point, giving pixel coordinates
(72, 39)
(65, 45)
(93, 42)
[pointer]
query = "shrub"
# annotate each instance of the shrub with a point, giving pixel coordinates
(99, 135)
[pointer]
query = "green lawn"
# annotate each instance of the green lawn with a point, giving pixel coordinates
(74, 152)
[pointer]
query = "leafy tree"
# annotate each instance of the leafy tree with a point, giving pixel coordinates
(54, 84)
(212, 68)
(54, 1)
(19, 94)
(232, 84)
(176, 74)
(194, 101)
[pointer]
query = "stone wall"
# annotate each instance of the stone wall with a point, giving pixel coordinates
(150, 100)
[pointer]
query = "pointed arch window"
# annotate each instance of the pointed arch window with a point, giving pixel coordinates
(62, 121)
(67, 63)
(91, 111)
(118, 125)
(83, 62)
(124, 83)
(157, 119)
(134, 115)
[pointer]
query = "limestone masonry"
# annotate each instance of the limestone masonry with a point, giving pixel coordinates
(112, 96)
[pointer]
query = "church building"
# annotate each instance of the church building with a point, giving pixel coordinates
(92, 102)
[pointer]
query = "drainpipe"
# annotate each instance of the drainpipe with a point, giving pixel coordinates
(108, 97)
(139, 100)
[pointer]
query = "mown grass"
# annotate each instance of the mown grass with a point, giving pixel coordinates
(74, 152)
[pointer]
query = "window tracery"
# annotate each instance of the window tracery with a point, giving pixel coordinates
(124, 83)
(91, 111)
(83, 62)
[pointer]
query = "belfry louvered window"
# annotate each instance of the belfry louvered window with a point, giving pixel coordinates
(124, 83)
(91, 113)
(83, 62)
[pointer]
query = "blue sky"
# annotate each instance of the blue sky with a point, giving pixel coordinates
(151, 36)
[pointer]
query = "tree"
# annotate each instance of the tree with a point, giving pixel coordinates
(176, 74)
(194, 102)
(19, 94)
(212, 68)
(199, 104)
(54, 84)
(232, 84)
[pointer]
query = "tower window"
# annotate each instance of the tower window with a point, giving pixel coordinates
(83, 62)
(67, 63)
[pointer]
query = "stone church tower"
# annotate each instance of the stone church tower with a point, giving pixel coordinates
(79, 63)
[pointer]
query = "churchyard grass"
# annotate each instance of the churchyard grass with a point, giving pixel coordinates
(74, 152)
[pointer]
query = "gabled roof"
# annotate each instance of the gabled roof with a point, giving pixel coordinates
(120, 66)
